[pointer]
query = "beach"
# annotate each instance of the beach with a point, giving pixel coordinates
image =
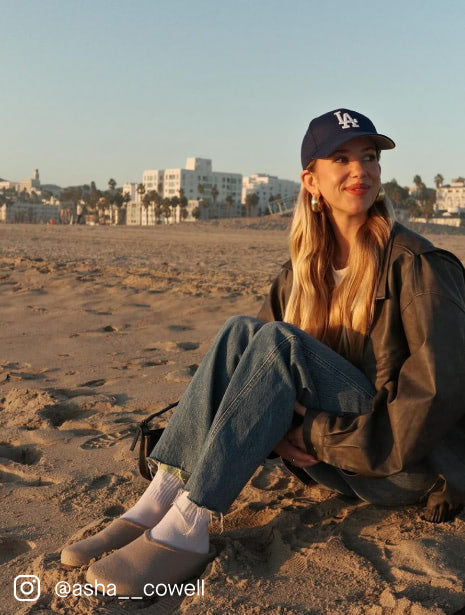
(100, 327)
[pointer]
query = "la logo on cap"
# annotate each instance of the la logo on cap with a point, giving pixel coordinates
(346, 120)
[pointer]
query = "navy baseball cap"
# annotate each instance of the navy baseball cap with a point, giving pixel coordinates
(329, 131)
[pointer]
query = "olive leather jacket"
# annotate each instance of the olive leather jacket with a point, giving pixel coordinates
(413, 354)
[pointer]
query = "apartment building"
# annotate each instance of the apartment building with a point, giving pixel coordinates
(24, 211)
(197, 180)
(131, 189)
(266, 187)
(451, 198)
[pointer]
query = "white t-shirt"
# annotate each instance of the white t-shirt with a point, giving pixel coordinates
(338, 274)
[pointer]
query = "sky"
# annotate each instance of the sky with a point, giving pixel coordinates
(99, 89)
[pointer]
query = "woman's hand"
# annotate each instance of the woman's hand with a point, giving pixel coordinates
(292, 446)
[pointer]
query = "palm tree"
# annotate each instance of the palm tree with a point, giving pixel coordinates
(418, 182)
(214, 194)
(102, 205)
(111, 184)
(175, 200)
(205, 204)
(424, 197)
(140, 191)
(166, 208)
(438, 180)
(251, 201)
(124, 200)
(94, 194)
(146, 205)
(413, 207)
(158, 212)
(229, 202)
(396, 193)
(182, 204)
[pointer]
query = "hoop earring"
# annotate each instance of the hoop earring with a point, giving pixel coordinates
(315, 204)
(381, 194)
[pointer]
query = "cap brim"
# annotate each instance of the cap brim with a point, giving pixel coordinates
(381, 141)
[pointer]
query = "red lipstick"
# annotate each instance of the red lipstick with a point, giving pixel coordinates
(357, 189)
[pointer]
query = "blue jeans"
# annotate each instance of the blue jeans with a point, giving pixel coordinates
(240, 402)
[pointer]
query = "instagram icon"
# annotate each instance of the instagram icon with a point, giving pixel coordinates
(27, 587)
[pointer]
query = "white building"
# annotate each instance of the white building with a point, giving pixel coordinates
(267, 187)
(131, 189)
(23, 211)
(197, 181)
(31, 184)
(452, 198)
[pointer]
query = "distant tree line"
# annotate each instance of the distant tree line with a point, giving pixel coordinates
(420, 202)
(11, 195)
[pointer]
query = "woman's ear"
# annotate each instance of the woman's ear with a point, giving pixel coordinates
(310, 182)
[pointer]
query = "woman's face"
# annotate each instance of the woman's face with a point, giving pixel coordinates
(348, 180)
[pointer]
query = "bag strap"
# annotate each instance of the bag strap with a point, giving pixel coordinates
(142, 426)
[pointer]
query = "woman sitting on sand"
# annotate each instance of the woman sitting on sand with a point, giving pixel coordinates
(361, 336)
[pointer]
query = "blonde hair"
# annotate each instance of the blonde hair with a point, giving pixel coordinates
(315, 305)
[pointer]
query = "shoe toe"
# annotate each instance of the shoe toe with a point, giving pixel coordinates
(145, 562)
(119, 533)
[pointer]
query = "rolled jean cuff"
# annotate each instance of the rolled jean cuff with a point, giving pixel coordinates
(164, 467)
(307, 430)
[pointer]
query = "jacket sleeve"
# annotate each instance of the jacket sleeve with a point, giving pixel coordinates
(274, 305)
(427, 399)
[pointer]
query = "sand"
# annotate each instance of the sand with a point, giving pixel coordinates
(102, 326)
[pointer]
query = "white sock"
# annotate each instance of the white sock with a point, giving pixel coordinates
(185, 526)
(156, 499)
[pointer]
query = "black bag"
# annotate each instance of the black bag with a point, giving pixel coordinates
(148, 439)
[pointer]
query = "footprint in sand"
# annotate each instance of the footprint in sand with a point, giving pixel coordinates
(115, 510)
(59, 413)
(12, 547)
(180, 328)
(109, 329)
(99, 482)
(155, 363)
(182, 375)
(270, 478)
(12, 365)
(34, 409)
(70, 393)
(107, 440)
(36, 308)
(175, 346)
(22, 371)
(188, 345)
(25, 455)
(26, 376)
(98, 313)
(93, 383)
(16, 477)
